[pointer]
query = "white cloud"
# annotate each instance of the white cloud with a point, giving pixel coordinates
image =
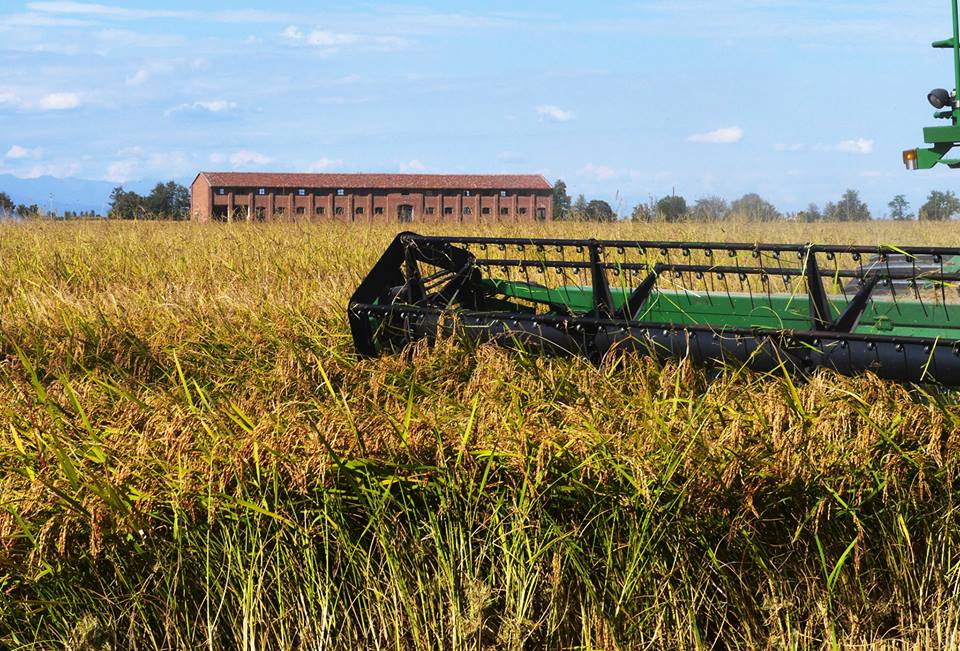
(40, 20)
(292, 33)
(59, 101)
(598, 172)
(218, 158)
(59, 170)
(216, 106)
(152, 69)
(244, 158)
(207, 106)
(555, 113)
(722, 136)
(412, 166)
(324, 38)
(93, 9)
(324, 164)
(796, 146)
(120, 171)
(852, 146)
(139, 78)
(129, 38)
(16, 152)
(856, 146)
(328, 42)
(511, 157)
(10, 99)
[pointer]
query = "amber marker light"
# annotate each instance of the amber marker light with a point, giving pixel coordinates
(910, 159)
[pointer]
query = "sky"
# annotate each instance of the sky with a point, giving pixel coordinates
(794, 99)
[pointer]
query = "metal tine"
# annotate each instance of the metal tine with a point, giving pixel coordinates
(943, 289)
(915, 286)
(723, 277)
(765, 278)
(742, 276)
(562, 272)
(624, 276)
(893, 290)
(833, 257)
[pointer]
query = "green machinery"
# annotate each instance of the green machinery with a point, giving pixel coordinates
(942, 138)
(891, 310)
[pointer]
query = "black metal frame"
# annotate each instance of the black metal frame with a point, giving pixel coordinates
(395, 304)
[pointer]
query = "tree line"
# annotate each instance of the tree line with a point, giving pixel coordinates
(8, 208)
(170, 201)
(849, 207)
(166, 201)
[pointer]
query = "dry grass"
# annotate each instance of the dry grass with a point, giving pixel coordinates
(192, 455)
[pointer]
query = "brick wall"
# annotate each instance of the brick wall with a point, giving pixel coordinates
(384, 206)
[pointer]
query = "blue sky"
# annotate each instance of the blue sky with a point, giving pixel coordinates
(794, 99)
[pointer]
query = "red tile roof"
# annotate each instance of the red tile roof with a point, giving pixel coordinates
(379, 181)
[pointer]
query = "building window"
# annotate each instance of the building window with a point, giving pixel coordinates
(262, 191)
(378, 211)
(320, 210)
(466, 193)
(301, 192)
(448, 210)
(278, 211)
(339, 210)
(523, 211)
(221, 191)
(300, 210)
(505, 212)
(503, 193)
(484, 211)
(541, 214)
(340, 192)
(430, 210)
(261, 214)
(358, 210)
(467, 210)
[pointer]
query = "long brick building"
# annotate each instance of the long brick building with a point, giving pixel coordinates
(258, 196)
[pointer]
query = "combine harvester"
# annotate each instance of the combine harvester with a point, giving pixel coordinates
(894, 311)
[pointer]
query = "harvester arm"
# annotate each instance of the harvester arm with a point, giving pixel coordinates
(944, 138)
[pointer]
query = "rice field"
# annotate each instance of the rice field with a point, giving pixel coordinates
(192, 456)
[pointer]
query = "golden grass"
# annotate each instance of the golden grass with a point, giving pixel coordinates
(160, 378)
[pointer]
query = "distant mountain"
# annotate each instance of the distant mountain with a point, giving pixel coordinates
(68, 194)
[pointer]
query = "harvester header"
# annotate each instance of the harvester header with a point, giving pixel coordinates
(943, 138)
(891, 310)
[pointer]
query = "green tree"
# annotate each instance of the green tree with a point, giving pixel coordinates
(167, 201)
(754, 208)
(579, 209)
(811, 214)
(27, 212)
(849, 209)
(710, 208)
(600, 211)
(940, 206)
(561, 201)
(899, 208)
(125, 205)
(6, 204)
(644, 212)
(672, 208)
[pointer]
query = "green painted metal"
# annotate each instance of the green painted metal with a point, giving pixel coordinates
(935, 135)
(735, 310)
(943, 138)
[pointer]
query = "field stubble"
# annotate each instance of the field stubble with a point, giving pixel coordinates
(191, 455)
